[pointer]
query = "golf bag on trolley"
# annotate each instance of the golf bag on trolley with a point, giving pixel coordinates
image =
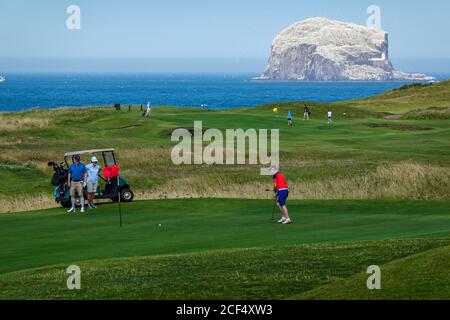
(59, 179)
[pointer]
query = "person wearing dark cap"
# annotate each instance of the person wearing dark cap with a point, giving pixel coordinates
(77, 180)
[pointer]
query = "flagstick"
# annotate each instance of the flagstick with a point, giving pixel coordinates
(120, 205)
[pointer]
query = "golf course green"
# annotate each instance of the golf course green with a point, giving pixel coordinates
(211, 248)
(373, 188)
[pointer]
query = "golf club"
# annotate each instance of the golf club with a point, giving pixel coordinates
(274, 207)
(120, 204)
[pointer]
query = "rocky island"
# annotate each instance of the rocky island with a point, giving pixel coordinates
(319, 49)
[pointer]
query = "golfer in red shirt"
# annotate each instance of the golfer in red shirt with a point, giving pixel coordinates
(282, 192)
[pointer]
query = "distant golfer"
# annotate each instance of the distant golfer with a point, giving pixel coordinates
(282, 192)
(306, 113)
(92, 170)
(149, 110)
(77, 180)
(290, 117)
(330, 117)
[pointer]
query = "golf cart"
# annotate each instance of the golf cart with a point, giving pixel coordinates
(114, 186)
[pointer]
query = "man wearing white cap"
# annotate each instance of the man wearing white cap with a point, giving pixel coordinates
(92, 170)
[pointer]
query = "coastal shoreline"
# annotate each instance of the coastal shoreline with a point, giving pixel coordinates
(23, 92)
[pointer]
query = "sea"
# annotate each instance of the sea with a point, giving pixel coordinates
(213, 91)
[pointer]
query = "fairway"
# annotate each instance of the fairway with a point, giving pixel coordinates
(204, 230)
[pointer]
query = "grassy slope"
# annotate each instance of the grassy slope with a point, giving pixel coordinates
(211, 232)
(421, 276)
(404, 100)
(257, 273)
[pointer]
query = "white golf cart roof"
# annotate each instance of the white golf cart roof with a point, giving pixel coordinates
(80, 153)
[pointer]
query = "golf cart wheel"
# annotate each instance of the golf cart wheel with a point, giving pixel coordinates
(126, 195)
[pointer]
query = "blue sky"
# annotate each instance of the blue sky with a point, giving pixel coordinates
(237, 30)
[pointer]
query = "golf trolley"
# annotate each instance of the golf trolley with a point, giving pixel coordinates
(114, 186)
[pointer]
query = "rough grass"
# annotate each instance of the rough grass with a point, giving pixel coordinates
(14, 124)
(23, 203)
(387, 181)
(399, 181)
(423, 276)
(412, 97)
(259, 273)
(42, 118)
(428, 114)
(349, 160)
(404, 181)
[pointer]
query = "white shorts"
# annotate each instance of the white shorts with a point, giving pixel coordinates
(92, 187)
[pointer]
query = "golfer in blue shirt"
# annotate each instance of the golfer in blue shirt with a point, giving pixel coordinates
(77, 181)
(290, 119)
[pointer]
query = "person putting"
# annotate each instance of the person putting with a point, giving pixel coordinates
(282, 193)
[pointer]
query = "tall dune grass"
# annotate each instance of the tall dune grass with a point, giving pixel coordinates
(14, 124)
(428, 114)
(388, 181)
(23, 202)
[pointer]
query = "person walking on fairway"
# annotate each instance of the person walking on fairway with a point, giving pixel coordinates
(149, 110)
(282, 192)
(92, 170)
(330, 117)
(77, 181)
(306, 113)
(290, 119)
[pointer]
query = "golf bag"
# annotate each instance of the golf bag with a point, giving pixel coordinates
(61, 173)
(59, 179)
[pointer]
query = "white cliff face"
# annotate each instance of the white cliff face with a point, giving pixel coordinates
(319, 49)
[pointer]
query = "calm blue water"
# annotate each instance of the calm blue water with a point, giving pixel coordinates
(22, 91)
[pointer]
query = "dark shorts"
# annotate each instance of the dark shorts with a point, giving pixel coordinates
(282, 196)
